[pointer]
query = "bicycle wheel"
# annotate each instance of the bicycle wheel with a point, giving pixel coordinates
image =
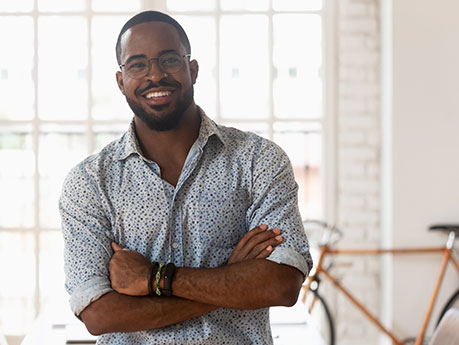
(453, 302)
(319, 317)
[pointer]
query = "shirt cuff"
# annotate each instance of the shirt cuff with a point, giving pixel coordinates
(88, 292)
(290, 257)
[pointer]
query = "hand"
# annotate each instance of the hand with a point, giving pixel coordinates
(258, 243)
(129, 271)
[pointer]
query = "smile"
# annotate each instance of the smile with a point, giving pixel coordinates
(158, 94)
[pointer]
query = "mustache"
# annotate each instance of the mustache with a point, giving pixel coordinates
(152, 85)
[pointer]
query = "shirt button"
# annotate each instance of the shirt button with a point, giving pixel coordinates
(175, 245)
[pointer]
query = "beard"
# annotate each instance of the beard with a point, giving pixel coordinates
(164, 122)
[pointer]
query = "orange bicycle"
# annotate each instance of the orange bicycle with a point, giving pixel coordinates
(317, 306)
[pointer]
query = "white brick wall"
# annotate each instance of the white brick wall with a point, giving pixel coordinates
(358, 161)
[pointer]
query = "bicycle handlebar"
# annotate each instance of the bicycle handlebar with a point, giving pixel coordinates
(328, 231)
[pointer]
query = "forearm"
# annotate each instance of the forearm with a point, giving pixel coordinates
(116, 312)
(251, 284)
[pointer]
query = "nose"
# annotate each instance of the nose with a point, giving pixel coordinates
(154, 72)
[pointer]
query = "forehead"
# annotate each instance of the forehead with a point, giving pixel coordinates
(149, 39)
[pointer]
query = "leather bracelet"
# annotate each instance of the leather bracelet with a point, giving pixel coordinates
(168, 275)
(153, 265)
(158, 278)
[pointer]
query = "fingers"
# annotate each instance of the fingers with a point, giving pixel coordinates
(265, 253)
(264, 249)
(116, 247)
(249, 235)
(261, 241)
(258, 242)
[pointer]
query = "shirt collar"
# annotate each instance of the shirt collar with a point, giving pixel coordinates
(208, 128)
(130, 145)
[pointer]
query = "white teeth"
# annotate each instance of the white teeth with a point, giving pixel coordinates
(158, 94)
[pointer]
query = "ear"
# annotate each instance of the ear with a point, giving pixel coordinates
(194, 69)
(119, 80)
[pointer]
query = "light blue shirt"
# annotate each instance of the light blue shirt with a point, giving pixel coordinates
(231, 182)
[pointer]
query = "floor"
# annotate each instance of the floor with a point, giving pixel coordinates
(289, 327)
(295, 335)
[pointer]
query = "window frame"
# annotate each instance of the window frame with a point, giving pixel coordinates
(327, 122)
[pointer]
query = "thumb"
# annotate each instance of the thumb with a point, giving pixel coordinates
(116, 247)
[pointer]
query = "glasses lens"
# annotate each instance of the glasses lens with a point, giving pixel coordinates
(170, 62)
(137, 68)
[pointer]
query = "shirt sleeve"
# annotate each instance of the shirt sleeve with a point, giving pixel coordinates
(275, 203)
(87, 240)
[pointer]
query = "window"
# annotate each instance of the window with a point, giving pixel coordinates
(261, 65)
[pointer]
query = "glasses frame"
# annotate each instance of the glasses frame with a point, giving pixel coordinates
(157, 59)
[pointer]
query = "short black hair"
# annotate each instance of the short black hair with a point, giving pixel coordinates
(152, 16)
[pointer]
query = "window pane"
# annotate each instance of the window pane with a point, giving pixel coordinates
(62, 68)
(298, 84)
(237, 5)
(16, 315)
(16, 65)
(16, 292)
(103, 135)
(303, 144)
(51, 268)
(67, 146)
(201, 32)
(244, 66)
(59, 5)
(16, 6)
(19, 249)
(16, 177)
(108, 102)
(297, 5)
(116, 5)
(187, 5)
(260, 128)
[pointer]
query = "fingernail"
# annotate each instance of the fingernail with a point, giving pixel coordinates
(263, 226)
(269, 248)
(279, 238)
(276, 231)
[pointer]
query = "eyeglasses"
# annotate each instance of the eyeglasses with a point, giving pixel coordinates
(169, 62)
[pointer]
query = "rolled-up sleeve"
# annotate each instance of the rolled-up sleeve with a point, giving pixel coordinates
(86, 232)
(275, 203)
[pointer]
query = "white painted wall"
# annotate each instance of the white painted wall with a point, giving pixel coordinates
(398, 142)
(424, 146)
(358, 164)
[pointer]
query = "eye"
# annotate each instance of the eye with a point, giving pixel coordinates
(137, 65)
(170, 60)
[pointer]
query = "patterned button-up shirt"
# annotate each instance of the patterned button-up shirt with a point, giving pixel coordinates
(231, 182)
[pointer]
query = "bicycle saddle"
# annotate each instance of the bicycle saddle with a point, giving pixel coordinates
(446, 228)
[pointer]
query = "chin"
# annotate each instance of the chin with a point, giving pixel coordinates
(162, 117)
(161, 122)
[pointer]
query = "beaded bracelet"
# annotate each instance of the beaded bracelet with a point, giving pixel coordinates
(153, 265)
(158, 278)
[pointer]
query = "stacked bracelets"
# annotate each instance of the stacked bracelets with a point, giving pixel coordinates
(168, 274)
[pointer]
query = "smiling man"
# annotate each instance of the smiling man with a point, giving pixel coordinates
(182, 231)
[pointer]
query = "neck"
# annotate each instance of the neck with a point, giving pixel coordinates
(169, 149)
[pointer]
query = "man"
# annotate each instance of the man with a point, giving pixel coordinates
(179, 189)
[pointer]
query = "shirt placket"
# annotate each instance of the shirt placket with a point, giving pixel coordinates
(176, 226)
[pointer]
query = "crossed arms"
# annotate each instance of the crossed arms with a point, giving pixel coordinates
(108, 286)
(247, 281)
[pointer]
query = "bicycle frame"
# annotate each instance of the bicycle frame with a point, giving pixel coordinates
(447, 257)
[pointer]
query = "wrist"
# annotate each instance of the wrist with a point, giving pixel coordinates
(167, 278)
(159, 279)
(151, 278)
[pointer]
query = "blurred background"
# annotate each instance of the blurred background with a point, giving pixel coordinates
(361, 94)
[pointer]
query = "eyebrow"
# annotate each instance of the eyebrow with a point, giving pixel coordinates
(134, 57)
(142, 56)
